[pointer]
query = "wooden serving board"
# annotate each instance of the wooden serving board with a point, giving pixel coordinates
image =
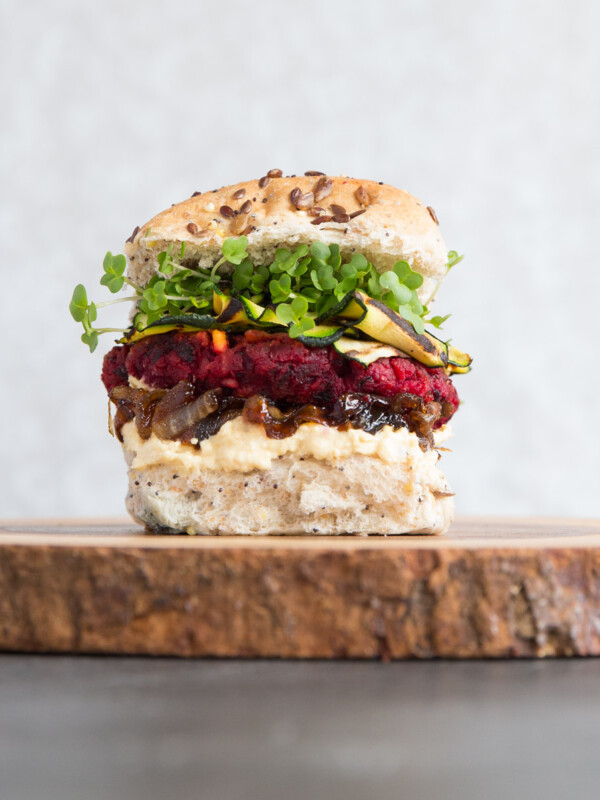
(489, 588)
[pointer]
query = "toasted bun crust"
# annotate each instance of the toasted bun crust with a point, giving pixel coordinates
(394, 225)
(358, 494)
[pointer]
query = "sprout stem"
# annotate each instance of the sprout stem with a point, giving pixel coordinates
(188, 269)
(431, 297)
(120, 300)
(133, 285)
(213, 272)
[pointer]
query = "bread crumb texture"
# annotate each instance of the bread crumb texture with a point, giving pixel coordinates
(319, 481)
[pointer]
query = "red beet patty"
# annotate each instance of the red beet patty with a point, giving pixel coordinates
(272, 365)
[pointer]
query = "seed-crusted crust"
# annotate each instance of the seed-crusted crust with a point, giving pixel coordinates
(384, 223)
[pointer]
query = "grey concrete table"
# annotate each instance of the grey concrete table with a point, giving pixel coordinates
(99, 728)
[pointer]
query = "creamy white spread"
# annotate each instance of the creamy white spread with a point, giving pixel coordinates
(137, 383)
(244, 446)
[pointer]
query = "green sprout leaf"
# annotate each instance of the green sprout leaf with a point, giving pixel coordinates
(359, 262)
(326, 278)
(453, 259)
(406, 276)
(280, 290)
(402, 294)
(79, 303)
(299, 306)
(409, 315)
(285, 313)
(235, 250)
(91, 339)
(319, 251)
(242, 275)
(155, 296)
(335, 258)
(165, 263)
(437, 322)
(298, 328)
(114, 269)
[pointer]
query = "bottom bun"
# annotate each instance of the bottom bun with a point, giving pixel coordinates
(297, 494)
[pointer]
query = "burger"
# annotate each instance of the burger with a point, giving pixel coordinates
(282, 372)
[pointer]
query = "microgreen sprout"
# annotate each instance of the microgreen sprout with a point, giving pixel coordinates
(87, 313)
(438, 321)
(301, 285)
(453, 260)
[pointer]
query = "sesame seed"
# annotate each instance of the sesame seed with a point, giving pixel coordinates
(433, 215)
(305, 200)
(362, 196)
(239, 194)
(226, 211)
(323, 188)
(264, 181)
(315, 172)
(136, 230)
(239, 224)
(274, 173)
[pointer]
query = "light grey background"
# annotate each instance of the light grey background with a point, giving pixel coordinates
(487, 111)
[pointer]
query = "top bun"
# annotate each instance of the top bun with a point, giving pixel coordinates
(277, 211)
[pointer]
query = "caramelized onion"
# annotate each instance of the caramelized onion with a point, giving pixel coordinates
(138, 404)
(179, 410)
(279, 425)
(180, 413)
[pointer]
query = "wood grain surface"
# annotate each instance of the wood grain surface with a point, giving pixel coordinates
(489, 588)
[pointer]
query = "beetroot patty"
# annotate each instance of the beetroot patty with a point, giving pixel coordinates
(272, 365)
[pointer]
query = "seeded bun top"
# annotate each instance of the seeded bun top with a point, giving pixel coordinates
(383, 223)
